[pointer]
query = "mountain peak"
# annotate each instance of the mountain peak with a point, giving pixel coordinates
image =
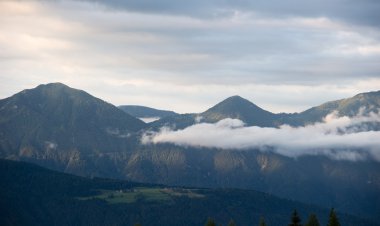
(54, 84)
(66, 117)
(368, 94)
(239, 108)
(233, 103)
(58, 87)
(52, 90)
(362, 103)
(235, 98)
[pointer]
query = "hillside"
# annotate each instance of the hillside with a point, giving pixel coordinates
(237, 107)
(146, 112)
(361, 103)
(233, 107)
(59, 124)
(69, 130)
(349, 186)
(70, 200)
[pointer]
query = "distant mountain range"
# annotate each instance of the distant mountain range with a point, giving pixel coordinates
(239, 108)
(31, 195)
(233, 107)
(71, 131)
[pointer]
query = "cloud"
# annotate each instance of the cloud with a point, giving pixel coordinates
(359, 12)
(149, 119)
(186, 56)
(340, 138)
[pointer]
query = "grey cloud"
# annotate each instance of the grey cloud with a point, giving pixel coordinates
(234, 51)
(184, 61)
(203, 52)
(340, 138)
(352, 11)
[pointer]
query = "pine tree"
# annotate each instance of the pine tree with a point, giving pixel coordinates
(295, 220)
(262, 222)
(312, 221)
(210, 222)
(333, 219)
(231, 223)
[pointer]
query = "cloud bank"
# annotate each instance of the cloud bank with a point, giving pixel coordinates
(340, 138)
(359, 12)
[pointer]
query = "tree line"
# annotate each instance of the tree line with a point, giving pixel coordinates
(295, 220)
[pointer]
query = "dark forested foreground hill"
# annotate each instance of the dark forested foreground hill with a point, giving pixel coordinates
(31, 195)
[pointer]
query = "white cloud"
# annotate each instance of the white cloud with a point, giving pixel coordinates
(149, 119)
(341, 138)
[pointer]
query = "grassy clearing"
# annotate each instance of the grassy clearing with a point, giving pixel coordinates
(142, 193)
(190, 193)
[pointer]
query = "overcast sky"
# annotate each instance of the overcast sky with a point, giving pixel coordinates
(186, 56)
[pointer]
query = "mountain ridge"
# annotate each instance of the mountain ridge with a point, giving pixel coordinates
(56, 120)
(76, 133)
(139, 111)
(237, 107)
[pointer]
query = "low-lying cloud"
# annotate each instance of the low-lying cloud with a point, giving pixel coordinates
(340, 138)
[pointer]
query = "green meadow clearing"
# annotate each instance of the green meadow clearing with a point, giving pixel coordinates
(142, 193)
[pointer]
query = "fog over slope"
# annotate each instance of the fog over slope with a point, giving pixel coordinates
(342, 138)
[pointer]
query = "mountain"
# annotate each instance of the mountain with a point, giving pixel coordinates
(69, 130)
(146, 112)
(352, 187)
(31, 195)
(57, 123)
(180, 121)
(359, 104)
(233, 107)
(239, 108)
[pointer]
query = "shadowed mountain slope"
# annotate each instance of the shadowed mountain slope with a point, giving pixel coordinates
(359, 104)
(51, 120)
(146, 112)
(239, 108)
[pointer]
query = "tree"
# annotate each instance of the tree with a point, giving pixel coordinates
(333, 219)
(295, 220)
(210, 222)
(231, 223)
(312, 221)
(262, 222)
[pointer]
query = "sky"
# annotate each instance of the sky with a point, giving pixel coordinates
(186, 56)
